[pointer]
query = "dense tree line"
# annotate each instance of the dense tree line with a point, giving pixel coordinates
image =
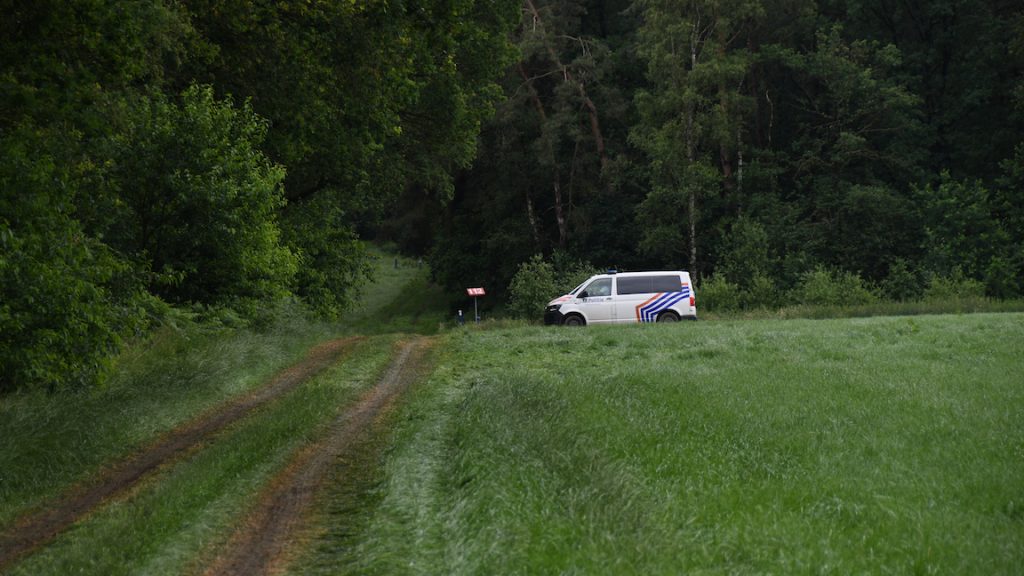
(215, 153)
(752, 142)
(233, 153)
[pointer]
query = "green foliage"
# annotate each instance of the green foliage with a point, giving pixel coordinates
(364, 101)
(66, 301)
(333, 260)
(198, 201)
(745, 256)
(538, 281)
(761, 293)
(960, 231)
(717, 294)
(663, 215)
(1003, 278)
(181, 191)
(532, 288)
(902, 283)
(955, 286)
(823, 287)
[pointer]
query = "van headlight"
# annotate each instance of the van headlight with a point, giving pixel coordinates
(554, 308)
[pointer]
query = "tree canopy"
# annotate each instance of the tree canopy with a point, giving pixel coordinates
(753, 139)
(211, 153)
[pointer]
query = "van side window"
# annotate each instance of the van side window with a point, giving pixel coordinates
(634, 284)
(666, 284)
(600, 287)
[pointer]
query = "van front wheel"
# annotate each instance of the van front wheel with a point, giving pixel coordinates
(668, 317)
(575, 320)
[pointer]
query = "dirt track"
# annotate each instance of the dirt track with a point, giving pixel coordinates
(37, 529)
(261, 544)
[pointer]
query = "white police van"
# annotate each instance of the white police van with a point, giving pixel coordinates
(665, 296)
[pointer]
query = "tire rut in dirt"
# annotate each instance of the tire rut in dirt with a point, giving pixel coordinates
(263, 541)
(37, 529)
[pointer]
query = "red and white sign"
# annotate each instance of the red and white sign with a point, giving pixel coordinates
(475, 291)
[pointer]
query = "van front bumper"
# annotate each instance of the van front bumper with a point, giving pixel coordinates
(553, 316)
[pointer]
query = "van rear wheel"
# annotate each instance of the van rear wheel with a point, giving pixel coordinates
(668, 316)
(575, 320)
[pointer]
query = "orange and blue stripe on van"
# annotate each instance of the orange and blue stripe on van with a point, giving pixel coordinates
(649, 310)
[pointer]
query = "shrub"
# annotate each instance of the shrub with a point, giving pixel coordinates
(956, 286)
(745, 254)
(822, 287)
(532, 288)
(66, 300)
(902, 284)
(1001, 278)
(717, 294)
(197, 201)
(762, 293)
(537, 281)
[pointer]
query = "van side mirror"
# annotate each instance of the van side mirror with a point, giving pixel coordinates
(582, 294)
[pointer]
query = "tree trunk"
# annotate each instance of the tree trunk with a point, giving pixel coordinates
(531, 215)
(563, 227)
(693, 232)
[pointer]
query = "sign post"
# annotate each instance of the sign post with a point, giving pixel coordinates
(475, 293)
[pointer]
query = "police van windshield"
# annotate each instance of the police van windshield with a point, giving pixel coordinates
(577, 289)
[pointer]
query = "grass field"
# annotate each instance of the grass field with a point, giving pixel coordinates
(50, 442)
(881, 445)
(166, 524)
(859, 445)
(53, 442)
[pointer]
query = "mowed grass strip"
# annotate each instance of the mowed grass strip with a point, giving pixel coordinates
(174, 522)
(836, 446)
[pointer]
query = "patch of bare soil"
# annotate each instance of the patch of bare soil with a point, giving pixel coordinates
(264, 542)
(39, 528)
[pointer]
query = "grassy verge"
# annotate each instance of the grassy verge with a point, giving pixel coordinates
(838, 446)
(168, 522)
(401, 299)
(52, 441)
(884, 308)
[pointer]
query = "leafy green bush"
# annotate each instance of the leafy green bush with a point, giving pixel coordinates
(955, 286)
(745, 254)
(533, 286)
(333, 260)
(66, 300)
(1002, 278)
(761, 293)
(823, 287)
(538, 281)
(903, 284)
(197, 201)
(716, 294)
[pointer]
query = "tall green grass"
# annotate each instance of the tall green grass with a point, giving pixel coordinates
(173, 523)
(971, 305)
(400, 300)
(51, 441)
(835, 446)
